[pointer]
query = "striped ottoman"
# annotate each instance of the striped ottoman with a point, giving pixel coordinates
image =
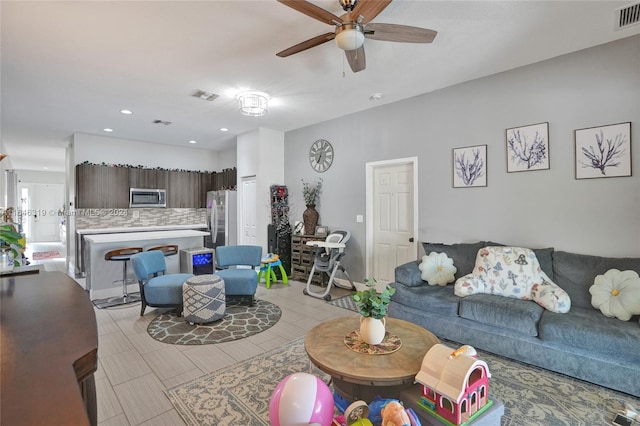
(203, 299)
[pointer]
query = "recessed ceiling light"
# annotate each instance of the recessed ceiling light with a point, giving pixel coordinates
(224, 129)
(46, 168)
(108, 130)
(204, 95)
(126, 111)
(193, 142)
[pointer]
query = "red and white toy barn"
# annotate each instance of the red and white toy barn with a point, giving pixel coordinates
(454, 384)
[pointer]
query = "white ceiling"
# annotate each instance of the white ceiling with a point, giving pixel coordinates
(71, 66)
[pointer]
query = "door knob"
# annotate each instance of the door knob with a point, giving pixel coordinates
(411, 239)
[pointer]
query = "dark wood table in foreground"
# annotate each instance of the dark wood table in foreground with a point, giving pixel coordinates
(48, 348)
(361, 376)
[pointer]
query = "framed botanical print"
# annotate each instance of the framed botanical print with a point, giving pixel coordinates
(321, 231)
(527, 148)
(603, 151)
(470, 166)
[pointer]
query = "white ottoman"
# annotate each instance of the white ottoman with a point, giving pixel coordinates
(203, 299)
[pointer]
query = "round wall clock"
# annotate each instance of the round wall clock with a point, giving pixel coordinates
(321, 155)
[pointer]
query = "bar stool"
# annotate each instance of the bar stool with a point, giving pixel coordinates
(167, 250)
(120, 255)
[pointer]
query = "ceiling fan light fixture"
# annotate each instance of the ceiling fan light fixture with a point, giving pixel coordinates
(253, 103)
(349, 36)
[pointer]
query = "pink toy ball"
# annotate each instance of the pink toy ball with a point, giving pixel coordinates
(301, 399)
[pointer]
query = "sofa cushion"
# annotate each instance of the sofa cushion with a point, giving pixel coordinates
(575, 273)
(409, 274)
(513, 314)
(432, 299)
(588, 329)
(463, 254)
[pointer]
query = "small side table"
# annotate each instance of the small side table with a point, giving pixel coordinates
(267, 263)
(203, 298)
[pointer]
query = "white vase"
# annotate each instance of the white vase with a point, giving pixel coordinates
(6, 259)
(372, 330)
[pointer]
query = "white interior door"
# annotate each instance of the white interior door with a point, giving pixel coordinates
(46, 200)
(248, 219)
(392, 216)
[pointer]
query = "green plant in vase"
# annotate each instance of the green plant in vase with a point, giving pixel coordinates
(10, 240)
(372, 304)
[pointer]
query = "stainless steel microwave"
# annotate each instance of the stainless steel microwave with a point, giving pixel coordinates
(140, 197)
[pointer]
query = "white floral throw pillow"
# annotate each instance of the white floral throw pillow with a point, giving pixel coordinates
(617, 294)
(437, 269)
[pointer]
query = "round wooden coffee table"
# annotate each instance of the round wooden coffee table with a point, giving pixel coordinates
(361, 376)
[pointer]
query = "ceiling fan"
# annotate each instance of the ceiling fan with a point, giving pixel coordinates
(353, 27)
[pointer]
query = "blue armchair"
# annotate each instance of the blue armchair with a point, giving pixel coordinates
(156, 288)
(239, 281)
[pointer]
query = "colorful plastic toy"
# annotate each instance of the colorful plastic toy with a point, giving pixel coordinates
(267, 263)
(357, 414)
(454, 384)
(393, 414)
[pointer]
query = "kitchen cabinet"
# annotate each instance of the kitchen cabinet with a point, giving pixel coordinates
(148, 178)
(102, 187)
(183, 190)
(207, 183)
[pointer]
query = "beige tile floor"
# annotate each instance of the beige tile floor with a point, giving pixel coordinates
(134, 369)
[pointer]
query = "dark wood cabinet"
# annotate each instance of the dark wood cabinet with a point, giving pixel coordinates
(207, 183)
(108, 187)
(183, 190)
(101, 187)
(148, 178)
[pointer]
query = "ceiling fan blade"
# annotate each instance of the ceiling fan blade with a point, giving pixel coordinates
(400, 33)
(313, 11)
(307, 44)
(356, 59)
(369, 9)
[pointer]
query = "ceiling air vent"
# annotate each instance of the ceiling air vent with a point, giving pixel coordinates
(204, 95)
(166, 123)
(627, 16)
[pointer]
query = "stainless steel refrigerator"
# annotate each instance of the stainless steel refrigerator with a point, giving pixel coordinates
(222, 218)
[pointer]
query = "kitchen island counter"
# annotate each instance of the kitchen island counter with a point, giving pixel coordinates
(103, 275)
(81, 234)
(123, 229)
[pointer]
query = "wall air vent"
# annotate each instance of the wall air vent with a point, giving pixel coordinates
(627, 16)
(204, 95)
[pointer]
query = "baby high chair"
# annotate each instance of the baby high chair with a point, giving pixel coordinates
(327, 258)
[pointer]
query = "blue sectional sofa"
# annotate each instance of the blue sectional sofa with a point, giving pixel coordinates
(582, 343)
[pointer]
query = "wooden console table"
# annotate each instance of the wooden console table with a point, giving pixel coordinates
(48, 350)
(302, 258)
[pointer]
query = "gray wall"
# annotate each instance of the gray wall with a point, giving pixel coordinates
(593, 87)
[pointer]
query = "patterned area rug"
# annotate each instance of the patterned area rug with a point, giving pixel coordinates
(42, 255)
(240, 320)
(240, 395)
(345, 302)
